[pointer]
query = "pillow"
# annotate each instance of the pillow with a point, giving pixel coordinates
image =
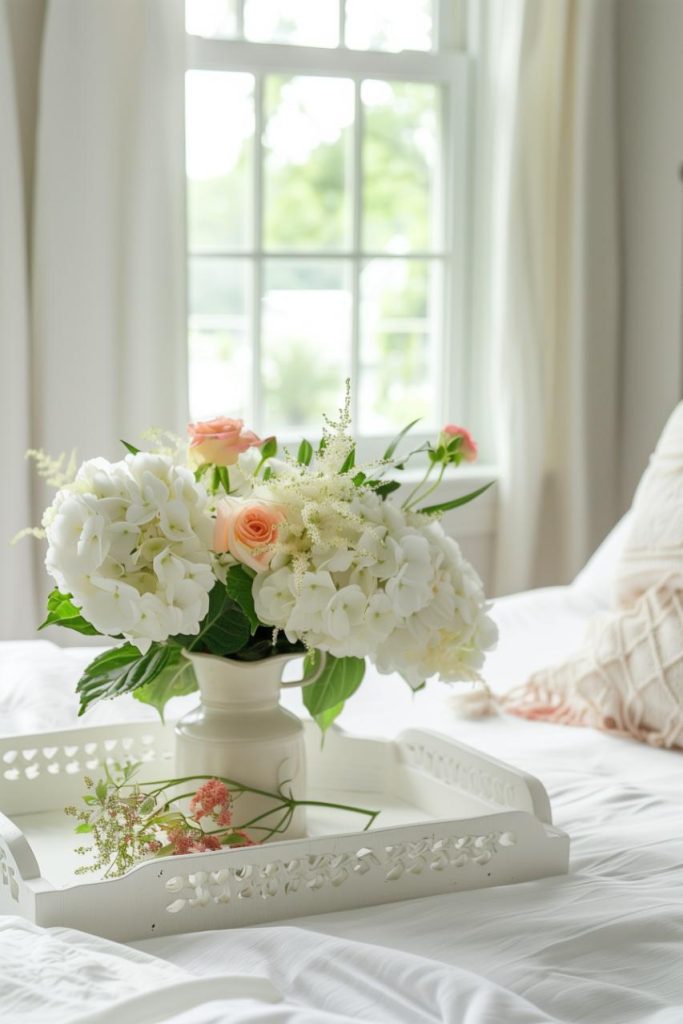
(653, 551)
(628, 679)
(598, 575)
(628, 676)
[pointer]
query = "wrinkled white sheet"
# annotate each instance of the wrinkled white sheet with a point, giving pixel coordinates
(59, 975)
(603, 945)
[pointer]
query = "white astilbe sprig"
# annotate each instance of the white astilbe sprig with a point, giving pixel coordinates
(165, 442)
(56, 472)
(29, 531)
(337, 442)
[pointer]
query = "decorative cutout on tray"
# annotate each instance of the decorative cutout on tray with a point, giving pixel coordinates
(288, 878)
(454, 772)
(7, 876)
(32, 763)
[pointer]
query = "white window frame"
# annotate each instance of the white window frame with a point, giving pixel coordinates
(445, 67)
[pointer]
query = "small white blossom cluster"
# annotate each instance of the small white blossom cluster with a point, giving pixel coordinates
(130, 541)
(357, 576)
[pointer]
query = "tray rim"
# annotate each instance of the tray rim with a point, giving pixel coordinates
(30, 870)
(162, 734)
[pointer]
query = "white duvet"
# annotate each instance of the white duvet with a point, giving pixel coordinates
(602, 945)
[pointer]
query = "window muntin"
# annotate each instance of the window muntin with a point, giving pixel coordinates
(321, 182)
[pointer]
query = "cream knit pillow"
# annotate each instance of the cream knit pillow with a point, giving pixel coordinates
(628, 677)
(653, 552)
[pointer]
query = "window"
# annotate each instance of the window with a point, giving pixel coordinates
(326, 188)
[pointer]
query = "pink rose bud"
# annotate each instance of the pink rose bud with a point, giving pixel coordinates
(219, 441)
(468, 448)
(247, 530)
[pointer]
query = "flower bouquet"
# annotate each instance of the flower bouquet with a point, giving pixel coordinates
(221, 555)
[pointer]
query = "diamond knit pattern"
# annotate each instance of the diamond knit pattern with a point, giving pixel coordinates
(628, 677)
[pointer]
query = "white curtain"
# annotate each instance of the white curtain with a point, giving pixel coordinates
(95, 339)
(17, 580)
(547, 277)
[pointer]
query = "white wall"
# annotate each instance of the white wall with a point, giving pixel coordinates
(650, 88)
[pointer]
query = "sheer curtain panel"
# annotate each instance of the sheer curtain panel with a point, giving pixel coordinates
(17, 578)
(93, 324)
(546, 262)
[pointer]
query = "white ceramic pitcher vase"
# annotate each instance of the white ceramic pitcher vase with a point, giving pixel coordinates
(240, 731)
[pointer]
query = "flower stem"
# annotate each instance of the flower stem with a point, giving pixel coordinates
(421, 497)
(411, 497)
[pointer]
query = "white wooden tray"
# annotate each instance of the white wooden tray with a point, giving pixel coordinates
(451, 819)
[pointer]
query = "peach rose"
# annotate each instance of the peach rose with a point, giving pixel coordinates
(219, 441)
(248, 530)
(468, 448)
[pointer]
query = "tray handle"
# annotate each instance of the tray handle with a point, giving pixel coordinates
(468, 769)
(15, 846)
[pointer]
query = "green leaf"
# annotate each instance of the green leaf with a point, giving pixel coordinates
(268, 451)
(223, 478)
(268, 448)
(202, 469)
(397, 440)
(225, 629)
(325, 719)
(83, 827)
(232, 839)
(130, 447)
(305, 453)
(176, 680)
(267, 472)
(238, 584)
(360, 478)
(445, 506)
(340, 679)
(63, 612)
(387, 488)
(349, 462)
(121, 670)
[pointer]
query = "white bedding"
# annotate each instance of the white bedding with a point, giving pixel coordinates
(603, 945)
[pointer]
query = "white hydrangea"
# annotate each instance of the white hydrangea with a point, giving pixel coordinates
(358, 576)
(130, 541)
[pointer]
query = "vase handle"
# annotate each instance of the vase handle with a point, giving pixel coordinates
(311, 679)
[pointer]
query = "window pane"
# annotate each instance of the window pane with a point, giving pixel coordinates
(306, 140)
(389, 24)
(400, 144)
(306, 341)
(220, 349)
(399, 366)
(211, 18)
(220, 132)
(304, 22)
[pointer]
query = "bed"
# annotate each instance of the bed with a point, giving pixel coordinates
(603, 944)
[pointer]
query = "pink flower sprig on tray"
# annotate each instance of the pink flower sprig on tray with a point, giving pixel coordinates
(129, 824)
(212, 800)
